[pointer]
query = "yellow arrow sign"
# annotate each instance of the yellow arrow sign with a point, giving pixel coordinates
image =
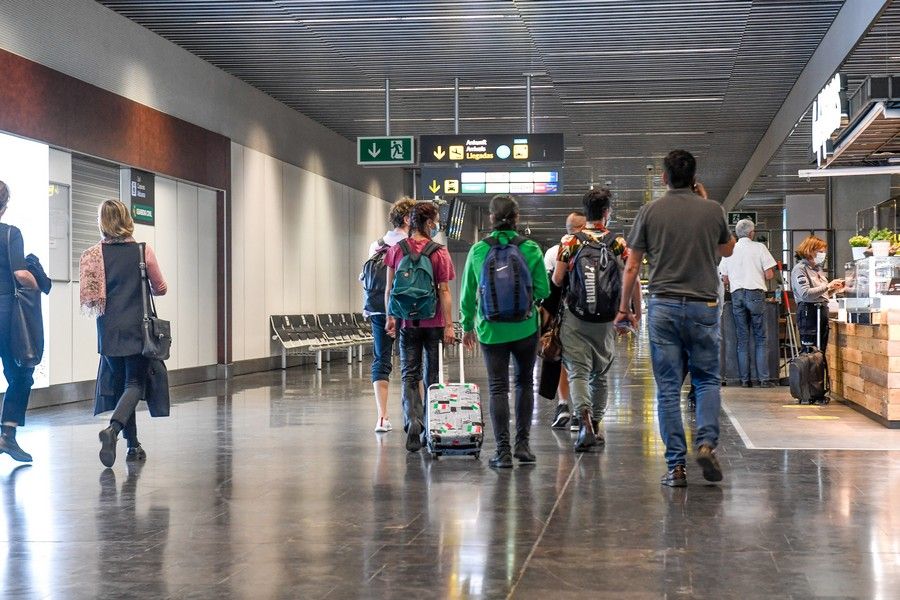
(434, 187)
(439, 153)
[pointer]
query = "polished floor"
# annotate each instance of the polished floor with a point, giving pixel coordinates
(275, 486)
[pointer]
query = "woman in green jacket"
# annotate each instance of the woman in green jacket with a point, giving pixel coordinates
(502, 339)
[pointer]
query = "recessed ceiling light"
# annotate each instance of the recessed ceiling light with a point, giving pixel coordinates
(338, 20)
(427, 119)
(632, 52)
(462, 88)
(648, 100)
(644, 133)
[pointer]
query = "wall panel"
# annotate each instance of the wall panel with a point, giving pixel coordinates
(238, 264)
(206, 293)
(293, 213)
(255, 287)
(166, 248)
(309, 219)
(188, 272)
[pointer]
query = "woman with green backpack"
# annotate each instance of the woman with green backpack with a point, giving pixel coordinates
(419, 306)
(503, 278)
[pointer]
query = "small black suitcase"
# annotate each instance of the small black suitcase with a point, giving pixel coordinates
(808, 373)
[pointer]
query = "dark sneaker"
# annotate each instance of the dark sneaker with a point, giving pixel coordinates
(561, 419)
(524, 454)
(707, 460)
(767, 384)
(136, 453)
(502, 459)
(575, 424)
(745, 384)
(414, 437)
(9, 445)
(108, 438)
(677, 477)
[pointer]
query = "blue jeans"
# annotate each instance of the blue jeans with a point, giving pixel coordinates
(749, 309)
(382, 349)
(681, 328)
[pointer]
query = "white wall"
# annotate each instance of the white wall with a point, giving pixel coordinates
(298, 243)
(184, 240)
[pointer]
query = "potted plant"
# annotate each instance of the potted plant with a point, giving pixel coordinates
(881, 241)
(859, 244)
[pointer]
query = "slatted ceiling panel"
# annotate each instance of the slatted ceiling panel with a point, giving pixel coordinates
(741, 57)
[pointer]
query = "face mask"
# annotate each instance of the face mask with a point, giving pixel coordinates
(434, 231)
(820, 258)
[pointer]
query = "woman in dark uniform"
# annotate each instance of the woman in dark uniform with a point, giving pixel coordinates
(12, 269)
(111, 289)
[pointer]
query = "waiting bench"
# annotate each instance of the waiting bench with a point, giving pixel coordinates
(313, 335)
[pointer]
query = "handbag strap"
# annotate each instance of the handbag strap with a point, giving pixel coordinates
(149, 307)
(15, 282)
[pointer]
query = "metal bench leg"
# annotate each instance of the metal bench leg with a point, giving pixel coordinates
(361, 349)
(328, 356)
(283, 358)
(318, 360)
(350, 355)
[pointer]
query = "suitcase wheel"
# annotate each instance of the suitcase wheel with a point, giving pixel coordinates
(477, 455)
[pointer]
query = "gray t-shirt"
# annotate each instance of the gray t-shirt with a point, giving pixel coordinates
(680, 235)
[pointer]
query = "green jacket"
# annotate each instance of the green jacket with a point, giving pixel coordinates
(499, 333)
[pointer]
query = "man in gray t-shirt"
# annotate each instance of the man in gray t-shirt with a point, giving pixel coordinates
(682, 235)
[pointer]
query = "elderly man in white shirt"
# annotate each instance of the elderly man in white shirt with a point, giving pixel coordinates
(746, 272)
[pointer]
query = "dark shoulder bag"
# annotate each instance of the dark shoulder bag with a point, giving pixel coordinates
(157, 333)
(26, 331)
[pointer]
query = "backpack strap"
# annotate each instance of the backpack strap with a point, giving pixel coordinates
(430, 248)
(407, 251)
(491, 241)
(517, 240)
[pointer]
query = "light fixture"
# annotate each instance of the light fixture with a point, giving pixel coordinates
(848, 171)
(633, 52)
(649, 100)
(427, 119)
(337, 20)
(462, 88)
(647, 133)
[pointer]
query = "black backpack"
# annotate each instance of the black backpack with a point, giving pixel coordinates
(374, 280)
(595, 281)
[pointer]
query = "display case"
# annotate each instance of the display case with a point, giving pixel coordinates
(872, 283)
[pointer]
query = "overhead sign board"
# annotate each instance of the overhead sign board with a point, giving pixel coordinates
(446, 181)
(826, 118)
(734, 217)
(385, 150)
(143, 201)
(522, 148)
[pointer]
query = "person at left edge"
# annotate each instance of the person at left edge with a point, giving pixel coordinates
(111, 289)
(13, 271)
(500, 340)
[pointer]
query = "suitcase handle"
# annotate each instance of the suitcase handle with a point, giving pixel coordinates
(462, 369)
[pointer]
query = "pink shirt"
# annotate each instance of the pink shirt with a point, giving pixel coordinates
(441, 265)
(158, 286)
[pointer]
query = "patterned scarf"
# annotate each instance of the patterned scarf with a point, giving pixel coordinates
(93, 278)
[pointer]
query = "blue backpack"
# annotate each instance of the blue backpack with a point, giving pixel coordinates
(413, 293)
(506, 292)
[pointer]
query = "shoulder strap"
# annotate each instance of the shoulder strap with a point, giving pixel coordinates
(9, 256)
(147, 304)
(491, 241)
(517, 240)
(430, 248)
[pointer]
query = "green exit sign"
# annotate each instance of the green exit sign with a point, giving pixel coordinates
(385, 150)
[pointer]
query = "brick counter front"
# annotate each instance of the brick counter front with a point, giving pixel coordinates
(864, 366)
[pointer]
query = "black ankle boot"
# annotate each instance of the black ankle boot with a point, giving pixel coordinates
(9, 445)
(108, 439)
(523, 452)
(135, 453)
(502, 459)
(586, 438)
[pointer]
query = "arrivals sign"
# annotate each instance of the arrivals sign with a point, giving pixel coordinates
(826, 118)
(734, 217)
(385, 150)
(143, 203)
(533, 147)
(445, 181)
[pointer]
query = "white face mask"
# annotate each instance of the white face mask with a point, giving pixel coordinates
(820, 258)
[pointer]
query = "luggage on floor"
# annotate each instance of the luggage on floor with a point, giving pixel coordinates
(808, 373)
(454, 422)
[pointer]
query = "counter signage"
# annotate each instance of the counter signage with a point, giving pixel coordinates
(444, 181)
(143, 204)
(734, 217)
(385, 150)
(534, 147)
(826, 118)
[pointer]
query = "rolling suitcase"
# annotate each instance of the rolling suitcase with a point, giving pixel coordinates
(808, 372)
(454, 424)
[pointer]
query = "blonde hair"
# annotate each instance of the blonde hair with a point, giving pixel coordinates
(808, 247)
(114, 219)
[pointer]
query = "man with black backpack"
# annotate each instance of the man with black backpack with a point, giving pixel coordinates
(592, 260)
(374, 280)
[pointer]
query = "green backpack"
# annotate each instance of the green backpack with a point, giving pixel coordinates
(413, 293)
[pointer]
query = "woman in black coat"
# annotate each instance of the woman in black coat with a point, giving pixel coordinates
(111, 289)
(13, 270)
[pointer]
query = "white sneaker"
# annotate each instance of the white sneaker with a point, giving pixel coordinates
(383, 426)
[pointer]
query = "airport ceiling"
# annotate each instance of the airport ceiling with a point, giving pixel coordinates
(625, 81)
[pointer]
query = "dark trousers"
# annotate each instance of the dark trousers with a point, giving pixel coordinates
(135, 368)
(382, 349)
(807, 315)
(20, 380)
(418, 349)
(496, 360)
(549, 383)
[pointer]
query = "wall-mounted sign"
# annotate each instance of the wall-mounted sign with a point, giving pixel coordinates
(143, 205)
(527, 147)
(734, 217)
(444, 181)
(385, 150)
(826, 118)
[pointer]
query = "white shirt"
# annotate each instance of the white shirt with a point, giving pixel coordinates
(391, 238)
(550, 258)
(746, 267)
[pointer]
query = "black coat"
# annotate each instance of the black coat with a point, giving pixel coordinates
(110, 386)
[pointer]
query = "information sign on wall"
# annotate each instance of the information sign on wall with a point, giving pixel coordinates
(442, 181)
(526, 147)
(143, 205)
(734, 217)
(385, 150)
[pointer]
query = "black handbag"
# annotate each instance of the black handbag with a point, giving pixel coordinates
(156, 332)
(26, 331)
